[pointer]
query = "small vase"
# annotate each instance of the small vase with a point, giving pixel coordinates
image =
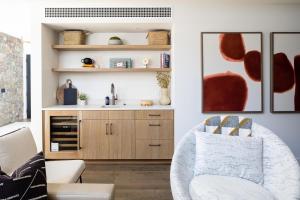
(82, 102)
(164, 98)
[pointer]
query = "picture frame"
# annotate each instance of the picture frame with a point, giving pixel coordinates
(250, 79)
(284, 48)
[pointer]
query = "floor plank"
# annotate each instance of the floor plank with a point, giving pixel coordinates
(132, 181)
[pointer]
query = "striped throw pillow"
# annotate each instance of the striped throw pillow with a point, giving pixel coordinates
(27, 182)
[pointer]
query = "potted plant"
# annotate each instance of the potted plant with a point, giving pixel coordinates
(82, 99)
(164, 81)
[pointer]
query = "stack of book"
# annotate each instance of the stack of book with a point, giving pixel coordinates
(164, 60)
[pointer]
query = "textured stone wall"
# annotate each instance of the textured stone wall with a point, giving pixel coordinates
(11, 79)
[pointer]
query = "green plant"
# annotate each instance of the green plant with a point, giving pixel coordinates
(163, 79)
(114, 38)
(83, 97)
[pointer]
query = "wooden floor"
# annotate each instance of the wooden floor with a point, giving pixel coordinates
(132, 181)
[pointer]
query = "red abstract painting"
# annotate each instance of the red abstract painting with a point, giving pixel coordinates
(285, 68)
(231, 72)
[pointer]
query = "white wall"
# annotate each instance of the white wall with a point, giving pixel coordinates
(190, 18)
(227, 17)
(15, 18)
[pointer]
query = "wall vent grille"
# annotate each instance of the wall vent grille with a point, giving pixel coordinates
(108, 12)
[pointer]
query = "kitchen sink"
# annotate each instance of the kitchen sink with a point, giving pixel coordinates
(113, 106)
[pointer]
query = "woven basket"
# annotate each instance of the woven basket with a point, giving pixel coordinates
(158, 38)
(74, 37)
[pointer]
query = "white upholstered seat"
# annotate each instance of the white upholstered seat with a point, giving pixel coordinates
(210, 187)
(85, 191)
(64, 171)
(19, 146)
(281, 169)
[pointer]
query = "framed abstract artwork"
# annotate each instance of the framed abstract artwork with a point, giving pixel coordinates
(232, 72)
(285, 72)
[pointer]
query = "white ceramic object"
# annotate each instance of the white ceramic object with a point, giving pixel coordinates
(82, 102)
(164, 97)
(115, 42)
(146, 62)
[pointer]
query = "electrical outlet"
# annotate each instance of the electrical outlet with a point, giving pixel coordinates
(2, 90)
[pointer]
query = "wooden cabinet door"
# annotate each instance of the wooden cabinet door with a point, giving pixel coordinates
(95, 139)
(121, 139)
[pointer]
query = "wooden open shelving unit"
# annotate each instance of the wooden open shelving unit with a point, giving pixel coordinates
(61, 69)
(112, 47)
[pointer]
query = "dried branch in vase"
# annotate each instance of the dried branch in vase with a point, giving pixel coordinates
(163, 79)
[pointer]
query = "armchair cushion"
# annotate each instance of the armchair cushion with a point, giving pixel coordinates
(64, 171)
(226, 188)
(73, 191)
(229, 156)
(15, 149)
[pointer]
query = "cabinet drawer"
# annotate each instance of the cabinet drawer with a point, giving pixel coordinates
(154, 114)
(49, 113)
(154, 149)
(115, 114)
(94, 114)
(154, 129)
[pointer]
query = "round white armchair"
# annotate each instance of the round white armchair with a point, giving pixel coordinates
(280, 168)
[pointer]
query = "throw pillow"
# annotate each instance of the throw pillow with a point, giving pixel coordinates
(229, 125)
(27, 182)
(223, 155)
(212, 125)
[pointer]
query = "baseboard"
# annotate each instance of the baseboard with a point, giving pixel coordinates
(126, 162)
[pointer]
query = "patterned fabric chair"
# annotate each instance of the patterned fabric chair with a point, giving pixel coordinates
(281, 169)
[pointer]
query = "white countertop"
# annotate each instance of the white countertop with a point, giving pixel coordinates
(100, 107)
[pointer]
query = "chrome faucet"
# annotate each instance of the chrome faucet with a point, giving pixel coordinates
(114, 96)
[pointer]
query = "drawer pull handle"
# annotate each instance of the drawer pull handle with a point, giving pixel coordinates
(106, 129)
(154, 115)
(154, 124)
(79, 134)
(111, 131)
(154, 145)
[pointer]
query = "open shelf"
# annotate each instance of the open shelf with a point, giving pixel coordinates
(112, 47)
(111, 69)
